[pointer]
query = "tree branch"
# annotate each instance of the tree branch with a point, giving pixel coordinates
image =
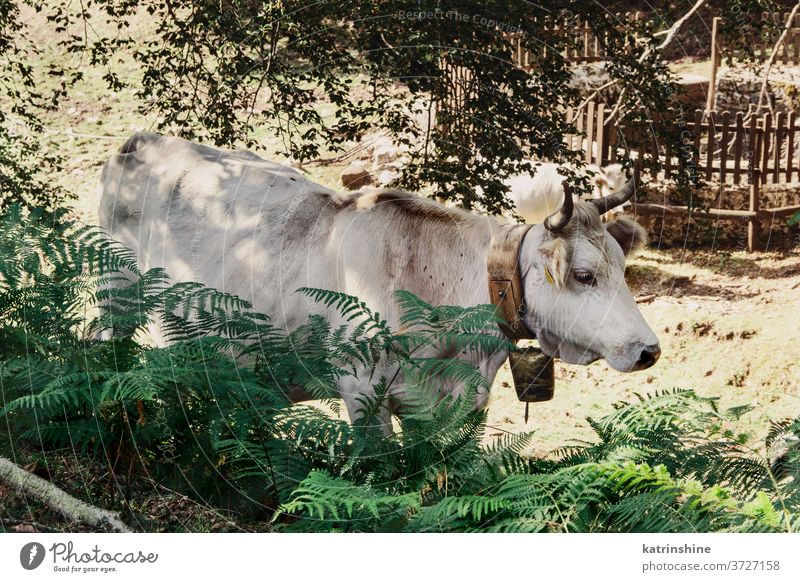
(771, 60)
(670, 36)
(595, 93)
(70, 507)
(673, 30)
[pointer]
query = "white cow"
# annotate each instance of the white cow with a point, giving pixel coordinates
(537, 196)
(260, 230)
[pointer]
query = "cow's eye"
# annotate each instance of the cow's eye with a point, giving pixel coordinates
(585, 278)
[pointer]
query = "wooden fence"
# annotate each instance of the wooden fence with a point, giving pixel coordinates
(723, 146)
(720, 148)
(583, 46)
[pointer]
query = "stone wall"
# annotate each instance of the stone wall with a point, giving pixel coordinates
(738, 89)
(672, 230)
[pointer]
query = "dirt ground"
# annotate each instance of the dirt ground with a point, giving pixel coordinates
(728, 326)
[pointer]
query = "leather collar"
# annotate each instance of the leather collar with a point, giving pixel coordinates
(505, 280)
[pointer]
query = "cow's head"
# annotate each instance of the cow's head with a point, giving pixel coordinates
(607, 180)
(577, 301)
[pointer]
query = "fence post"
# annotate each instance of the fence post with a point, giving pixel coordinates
(716, 59)
(590, 128)
(752, 221)
(602, 141)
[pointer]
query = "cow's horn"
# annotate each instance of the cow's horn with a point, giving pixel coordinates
(559, 219)
(606, 203)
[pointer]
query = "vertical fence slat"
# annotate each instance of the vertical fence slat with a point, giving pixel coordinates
(723, 150)
(595, 47)
(776, 157)
(587, 42)
(737, 148)
(753, 206)
(590, 121)
(712, 128)
(753, 146)
(766, 129)
(790, 147)
(574, 51)
(601, 134)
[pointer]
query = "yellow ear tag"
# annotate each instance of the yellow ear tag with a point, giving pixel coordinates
(548, 276)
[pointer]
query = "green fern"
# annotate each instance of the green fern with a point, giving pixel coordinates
(209, 414)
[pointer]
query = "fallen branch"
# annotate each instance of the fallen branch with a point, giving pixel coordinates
(73, 509)
(771, 60)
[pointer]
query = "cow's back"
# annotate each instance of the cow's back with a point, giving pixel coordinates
(206, 214)
(154, 179)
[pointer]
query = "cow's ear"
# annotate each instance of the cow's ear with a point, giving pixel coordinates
(630, 235)
(554, 263)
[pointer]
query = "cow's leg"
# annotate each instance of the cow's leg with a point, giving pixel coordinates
(488, 367)
(357, 394)
(115, 282)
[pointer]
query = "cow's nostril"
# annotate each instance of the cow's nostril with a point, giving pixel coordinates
(648, 357)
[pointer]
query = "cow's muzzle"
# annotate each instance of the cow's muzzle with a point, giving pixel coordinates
(648, 356)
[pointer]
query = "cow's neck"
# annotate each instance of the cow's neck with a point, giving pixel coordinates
(506, 291)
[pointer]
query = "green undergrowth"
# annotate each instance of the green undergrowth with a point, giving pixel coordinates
(208, 414)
